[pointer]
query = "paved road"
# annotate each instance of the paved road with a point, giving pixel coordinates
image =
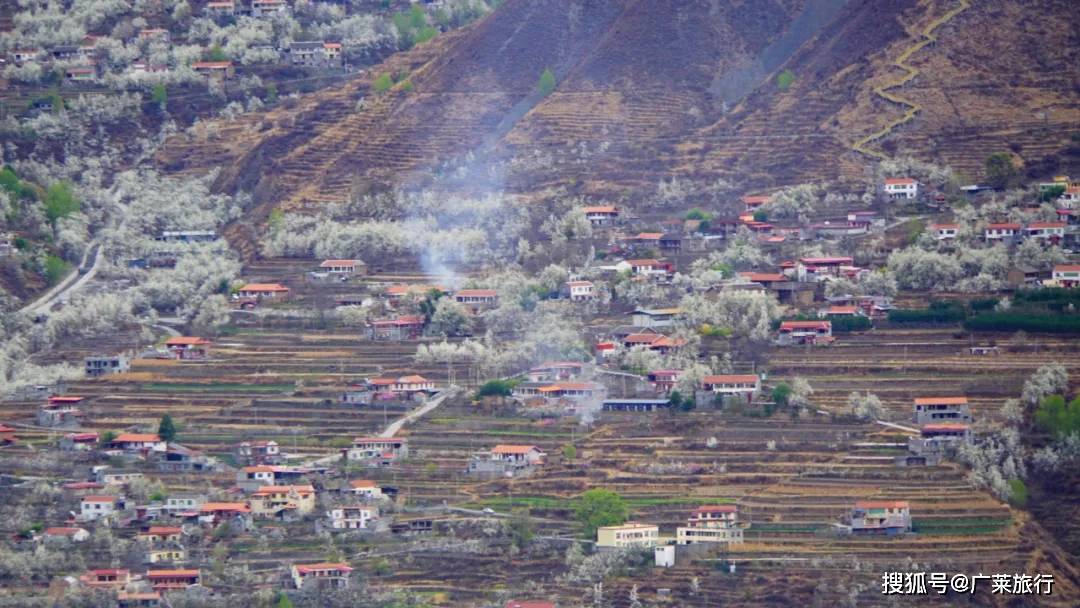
(71, 283)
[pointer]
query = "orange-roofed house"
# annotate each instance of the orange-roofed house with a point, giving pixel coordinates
(1050, 232)
(366, 489)
(560, 390)
(753, 201)
(321, 575)
(343, 267)
(408, 386)
(881, 517)
(746, 385)
(282, 501)
(171, 580)
(765, 278)
(106, 578)
(837, 310)
(1066, 275)
(804, 332)
(275, 291)
(138, 599)
(188, 347)
(139, 442)
(214, 513)
(901, 188)
(931, 410)
(602, 215)
(94, 507)
(404, 327)
(75, 535)
(214, 70)
(477, 299)
(161, 534)
(60, 411)
(527, 454)
(1001, 231)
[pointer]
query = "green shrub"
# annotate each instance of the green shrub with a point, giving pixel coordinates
(1018, 492)
(496, 388)
(382, 83)
(547, 83)
(55, 269)
(60, 202)
(600, 507)
(785, 79)
(848, 323)
(1057, 417)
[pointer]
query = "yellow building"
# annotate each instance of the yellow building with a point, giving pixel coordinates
(280, 501)
(628, 535)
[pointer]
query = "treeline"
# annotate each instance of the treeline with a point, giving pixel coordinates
(938, 313)
(1015, 321)
(1051, 310)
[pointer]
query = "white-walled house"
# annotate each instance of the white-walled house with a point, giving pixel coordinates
(901, 188)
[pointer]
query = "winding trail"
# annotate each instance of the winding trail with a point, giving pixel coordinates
(74, 281)
(925, 38)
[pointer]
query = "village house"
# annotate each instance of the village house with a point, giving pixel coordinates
(630, 534)
(282, 501)
(184, 502)
(1050, 232)
(405, 386)
(266, 8)
(939, 439)
(351, 517)
(405, 327)
(115, 477)
(7, 435)
(645, 267)
(95, 507)
(317, 54)
(60, 411)
(901, 188)
(944, 232)
(765, 279)
(172, 553)
(1003, 231)
(251, 478)
(804, 332)
(106, 578)
(887, 517)
(237, 514)
(75, 535)
(358, 394)
(214, 70)
(365, 489)
(653, 341)
(1066, 275)
(182, 459)
(188, 347)
(655, 317)
(21, 56)
(82, 488)
(258, 291)
(322, 575)
(629, 404)
(930, 410)
(154, 33)
(553, 371)
(259, 452)
(580, 291)
(138, 599)
(817, 269)
(161, 534)
(102, 365)
(836, 310)
(171, 580)
(752, 202)
(380, 451)
(1070, 198)
(142, 443)
(343, 267)
(574, 391)
(745, 385)
(220, 8)
(663, 380)
(711, 524)
(477, 299)
(602, 215)
(506, 460)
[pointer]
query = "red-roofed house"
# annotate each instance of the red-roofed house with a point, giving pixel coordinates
(167, 580)
(188, 347)
(897, 188)
(507, 460)
(275, 291)
(1051, 232)
(106, 578)
(663, 380)
(404, 327)
(602, 215)
(816, 269)
(92, 507)
(580, 291)
(321, 575)
(60, 411)
(804, 332)
(214, 513)
(1067, 275)
(75, 535)
(752, 202)
(367, 489)
(732, 384)
(7, 435)
(160, 534)
(945, 231)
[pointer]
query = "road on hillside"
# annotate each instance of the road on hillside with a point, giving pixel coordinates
(71, 283)
(394, 426)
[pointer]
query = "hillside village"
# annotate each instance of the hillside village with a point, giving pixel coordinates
(217, 389)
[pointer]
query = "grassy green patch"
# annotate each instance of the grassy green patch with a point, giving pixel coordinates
(962, 526)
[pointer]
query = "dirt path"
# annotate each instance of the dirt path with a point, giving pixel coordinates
(925, 38)
(71, 283)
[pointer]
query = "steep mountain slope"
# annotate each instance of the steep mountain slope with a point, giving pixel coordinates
(648, 90)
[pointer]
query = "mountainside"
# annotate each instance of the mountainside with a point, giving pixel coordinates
(649, 90)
